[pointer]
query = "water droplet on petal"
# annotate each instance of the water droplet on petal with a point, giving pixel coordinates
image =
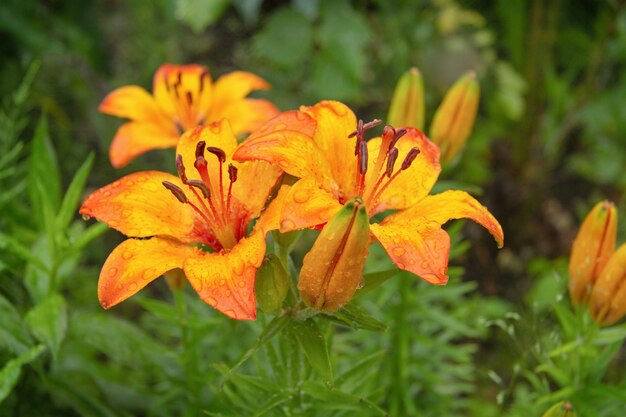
(112, 271)
(227, 293)
(301, 196)
(287, 224)
(241, 284)
(104, 304)
(132, 287)
(127, 255)
(424, 264)
(211, 301)
(106, 193)
(222, 282)
(237, 266)
(398, 251)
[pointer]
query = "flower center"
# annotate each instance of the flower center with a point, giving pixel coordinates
(387, 156)
(186, 100)
(208, 200)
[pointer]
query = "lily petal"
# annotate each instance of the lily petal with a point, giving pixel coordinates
(335, 122)
(139, 206)
(307, 205)
(413, 237)
(135, 103)
(270, 218)
(410, 185)
(188, 80)
(131, 266)
(225, 280)
(134, 138)
(233, 87)
(255, 181)
(286, 141)
(248, 115)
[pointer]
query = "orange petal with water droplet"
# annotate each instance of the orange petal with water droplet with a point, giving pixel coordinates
(335, 122)
(134, 263)
(286, 141)
(134, 138)
(607, 303)
(249, 114)
(270, 218)
(138, 205)
(255, 181)
(411, 185)
(307, 205)
(417, 248)
(135, 103)
(594, 244)
(225, 280)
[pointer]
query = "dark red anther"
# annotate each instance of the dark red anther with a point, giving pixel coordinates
(373, 123)
(391, 161)
(180, 167)
(177, 191)
(362, 157)
(201, 81)
(221, 155)
(410, 157)
(189, 97)
(179, 77)
(396, 137)
(201, 186)
(232, 173)
(200, 148)
(200, 163)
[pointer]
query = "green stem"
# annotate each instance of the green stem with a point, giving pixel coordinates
(188, 357)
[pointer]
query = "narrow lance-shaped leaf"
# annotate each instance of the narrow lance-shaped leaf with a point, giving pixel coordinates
(315, 349)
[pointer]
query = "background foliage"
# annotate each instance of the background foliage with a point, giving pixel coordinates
(499, 340)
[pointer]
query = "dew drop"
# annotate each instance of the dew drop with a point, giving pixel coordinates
(301, 196)
(400, 265)
(211, 301)
(149, 273)
(114, 223)
(106, 193)
(287, 224)
(231, 313)
(85, 217)
(126, 213)
(398, 251)
(222, 282)
(227, 293)
(360, 285)
(127, 255)
(104, 305)
(283, 164)
(280, 126)
(424, 264)
(241, 284)
(132, 287)
(237, 266)
(112, 271)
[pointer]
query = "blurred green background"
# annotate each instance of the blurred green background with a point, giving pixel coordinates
(548, 143)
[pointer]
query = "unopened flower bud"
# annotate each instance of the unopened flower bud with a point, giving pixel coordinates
(407, 104)
(454, 119)
(560, 409)
(608, 296)
(591, 250)
(271, 284)
(333, 268)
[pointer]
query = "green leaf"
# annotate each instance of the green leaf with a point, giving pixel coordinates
(13, 334)
(73, 194)
(43, 170)
(340, 400)
(315, 348)
(271, 330)
(286, 40)
(77, 390)
(10, 373)
(373, 280)
(355, 317)
(48, 321)
(10, 244)
(199, 14)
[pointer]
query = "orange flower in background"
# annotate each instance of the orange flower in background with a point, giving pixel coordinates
(171, 220)
(184, 97)
(394, 172)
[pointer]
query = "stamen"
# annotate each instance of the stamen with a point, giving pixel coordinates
(177, 191)
(189, 98)
(201, 81)
(200, 148)
(362, 157)
(221, 155)
(232, 173)
(179, 78)
(373, 123)
(396, 137)
(410, 157)
(391, 161)
(180, 167)
(201, 186)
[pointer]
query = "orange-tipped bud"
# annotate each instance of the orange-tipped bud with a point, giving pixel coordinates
(407, 104)
(561, 409)
(332, 269)
(608, 296)
(591, 250)
(271, 284)
(454, 119)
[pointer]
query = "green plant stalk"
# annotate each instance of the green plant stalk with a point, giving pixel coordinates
(188, 356)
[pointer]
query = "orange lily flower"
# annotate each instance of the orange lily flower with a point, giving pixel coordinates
(171, 220)
(184, 97)
(404, 168)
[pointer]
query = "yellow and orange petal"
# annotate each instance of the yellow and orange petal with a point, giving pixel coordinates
(134, 138)
(286, 141)
(408, 186)
(225, 280)
(135, 103)
(132, 265)
(307, 206)
(139, 206)
(414, 240)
